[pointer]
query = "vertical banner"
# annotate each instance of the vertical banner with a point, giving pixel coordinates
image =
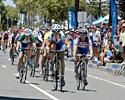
(71, 19)
(74, 20)
(113, 16)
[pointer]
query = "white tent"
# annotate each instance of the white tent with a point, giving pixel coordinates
(107, 17)
(98, 21)
(104, 19)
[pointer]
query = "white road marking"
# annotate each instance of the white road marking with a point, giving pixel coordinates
(42, 91)
(3, 66)
(101, 79)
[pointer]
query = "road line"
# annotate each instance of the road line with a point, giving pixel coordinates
(3, 66)
(42, 91)
(101, 79)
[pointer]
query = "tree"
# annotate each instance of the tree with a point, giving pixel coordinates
(50, 9)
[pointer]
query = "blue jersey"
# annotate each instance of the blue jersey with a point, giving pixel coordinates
(83, 46)
(59, 40)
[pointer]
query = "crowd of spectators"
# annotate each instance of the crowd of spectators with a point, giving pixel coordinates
(103, 47)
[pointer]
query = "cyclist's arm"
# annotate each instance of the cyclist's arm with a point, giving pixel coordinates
(67, 42)
(18, 44)
(21, 38)
(75, 51)
(48, 45)
(32, 38)
(75, 48)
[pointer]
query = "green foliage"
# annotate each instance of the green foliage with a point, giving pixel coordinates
(50, 9)
(12, 12)
(53, 9)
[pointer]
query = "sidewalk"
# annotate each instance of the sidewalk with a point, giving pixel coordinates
(110, 67)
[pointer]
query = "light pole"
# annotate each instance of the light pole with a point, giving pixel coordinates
(99, 8)
(0, 15)
(76, 10)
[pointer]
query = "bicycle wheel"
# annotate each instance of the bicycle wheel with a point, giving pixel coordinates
(61, 86)
(56, 80)
(78, 83)
(23, 72)
(21, 75)
(55, 77)
(84, 70)
(47, 70)
(78, 78)
(32, 72)
(44, 72)
(61, 79)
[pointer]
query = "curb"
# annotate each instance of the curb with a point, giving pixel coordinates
(110, 69)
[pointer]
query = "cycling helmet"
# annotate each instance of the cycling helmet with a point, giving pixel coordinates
(56, 28)
(27, 32)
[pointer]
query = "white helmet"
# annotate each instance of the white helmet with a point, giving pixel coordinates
(27, 32)
(56, 28)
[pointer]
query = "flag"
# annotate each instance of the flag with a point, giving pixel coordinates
(113, 16)
(71, 19)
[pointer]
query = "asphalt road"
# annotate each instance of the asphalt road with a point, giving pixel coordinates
(102, 85)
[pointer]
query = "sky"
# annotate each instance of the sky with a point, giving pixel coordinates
(9, 2)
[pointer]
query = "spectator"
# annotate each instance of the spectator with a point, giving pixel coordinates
(122, 38)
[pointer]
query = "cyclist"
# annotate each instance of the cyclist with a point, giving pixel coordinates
(24, 41)
(81, 46)
(4, 40)
(39, 41)
(56, 40)
(13, 40)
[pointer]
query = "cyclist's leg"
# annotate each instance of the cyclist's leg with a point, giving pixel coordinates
(85, 68)
(20, 57)
(43, 60)
(51, 61)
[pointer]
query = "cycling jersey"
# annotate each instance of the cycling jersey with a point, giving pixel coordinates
(38, 38)
(59, 41)
(24, 42)
(13, 38)
(22, 39)
(47, 35)
(83, 47)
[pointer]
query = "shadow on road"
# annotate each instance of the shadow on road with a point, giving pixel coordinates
(17, 98)
(64, 91)
(88, 90)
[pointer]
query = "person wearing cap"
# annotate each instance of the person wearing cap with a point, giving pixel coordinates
(122, 38)
(25, 40)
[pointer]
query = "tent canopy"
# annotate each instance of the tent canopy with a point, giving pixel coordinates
(103, 19)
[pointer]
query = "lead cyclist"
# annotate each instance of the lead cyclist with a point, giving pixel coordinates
(60, 41)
